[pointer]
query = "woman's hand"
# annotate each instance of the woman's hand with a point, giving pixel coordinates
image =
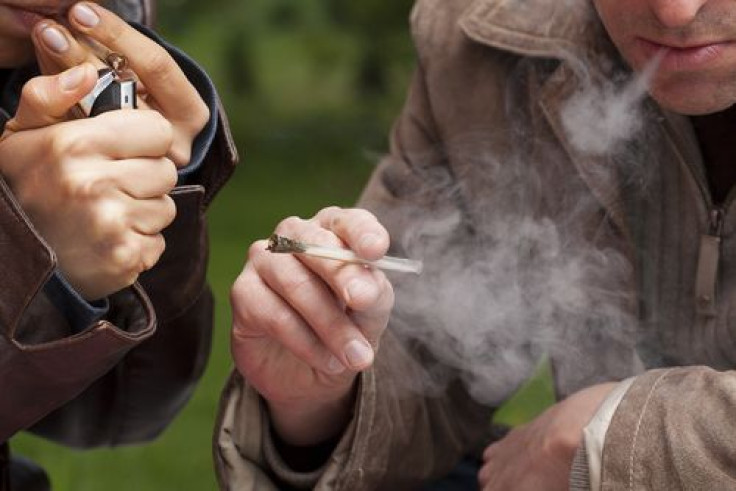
(95, 189)
(164, 87)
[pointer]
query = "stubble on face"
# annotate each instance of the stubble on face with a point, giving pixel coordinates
(698, 71)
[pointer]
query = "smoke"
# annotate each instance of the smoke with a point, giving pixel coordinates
(599, 118)
(518, 262)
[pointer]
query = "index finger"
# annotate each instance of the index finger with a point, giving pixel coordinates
(358, 228)
(160, 74)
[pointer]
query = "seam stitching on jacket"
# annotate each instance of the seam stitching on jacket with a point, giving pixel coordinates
(26, 229)
(638, 427)
(532, 49)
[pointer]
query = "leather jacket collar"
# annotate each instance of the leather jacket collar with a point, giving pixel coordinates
(140, 11)
(560, 29)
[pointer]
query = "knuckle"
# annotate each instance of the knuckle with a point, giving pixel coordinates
(319, 235)
(149, 258)
(113, 32)
(202, 115)
(327, 212)
(181, 152)
(334, 319)
(110, 217)
(282, 323)
(296, 283)
(257, 249)
(125, 258)
(161, 126)
(33, 92)
(289, 224)
(169, 209)
(240, 289)
(78, 186)
(158, 62)
(355, 219)
(170, 174)
(64, 142)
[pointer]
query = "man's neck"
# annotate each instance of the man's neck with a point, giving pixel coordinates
(716, 134)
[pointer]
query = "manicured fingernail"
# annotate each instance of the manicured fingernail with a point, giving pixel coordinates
(359, 354)
(334, 366)
(70, 79)
(358, 290)
(85, 15)
(369, 241)
(54, 39)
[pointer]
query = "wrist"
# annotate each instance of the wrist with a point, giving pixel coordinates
(312, 422)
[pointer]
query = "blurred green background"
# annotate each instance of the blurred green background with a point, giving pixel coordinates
(311, 88)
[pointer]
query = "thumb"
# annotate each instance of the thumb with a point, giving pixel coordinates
(46, 100)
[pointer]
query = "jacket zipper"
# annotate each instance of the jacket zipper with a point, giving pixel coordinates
(709, 255)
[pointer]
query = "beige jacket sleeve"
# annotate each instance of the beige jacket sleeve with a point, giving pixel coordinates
(395, 440)
(674, 429)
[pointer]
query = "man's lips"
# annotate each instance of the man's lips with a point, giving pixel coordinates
(26, 19)
(683, 57)
(47, 8)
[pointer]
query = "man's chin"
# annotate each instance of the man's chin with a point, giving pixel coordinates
(692, 102)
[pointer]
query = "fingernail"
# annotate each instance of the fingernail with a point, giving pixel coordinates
(54, 39)
(359, 354)
(70, 79)
(334, 366)
(358, 290)
(85, 15)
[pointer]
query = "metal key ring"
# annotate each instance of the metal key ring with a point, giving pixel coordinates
(116, 61)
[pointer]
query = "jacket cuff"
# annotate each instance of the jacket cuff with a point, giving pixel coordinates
(284, 473)
(580, 472)
(244, 447)
(79, 313)
(206, 89)
(594, 434)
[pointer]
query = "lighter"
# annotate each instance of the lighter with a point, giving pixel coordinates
(113, 89)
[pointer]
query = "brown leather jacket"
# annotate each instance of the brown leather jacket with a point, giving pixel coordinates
(123, 379)
(485, 118)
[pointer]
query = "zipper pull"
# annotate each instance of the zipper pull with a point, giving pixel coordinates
(706, 277)
(716, 222)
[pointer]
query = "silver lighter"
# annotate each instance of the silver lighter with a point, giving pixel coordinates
(111, 92)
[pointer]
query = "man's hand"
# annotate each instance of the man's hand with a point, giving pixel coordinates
(163, 87)
(95, 189)
(539, 454)
(304, 327)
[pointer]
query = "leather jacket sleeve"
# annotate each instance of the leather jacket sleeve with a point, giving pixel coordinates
(122, 379)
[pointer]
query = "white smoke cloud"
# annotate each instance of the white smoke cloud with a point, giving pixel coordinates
(526, 278)
(599, 118)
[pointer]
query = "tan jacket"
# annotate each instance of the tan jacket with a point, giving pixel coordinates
(485, 115)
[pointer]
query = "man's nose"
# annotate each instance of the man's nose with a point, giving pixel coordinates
(676, 13)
